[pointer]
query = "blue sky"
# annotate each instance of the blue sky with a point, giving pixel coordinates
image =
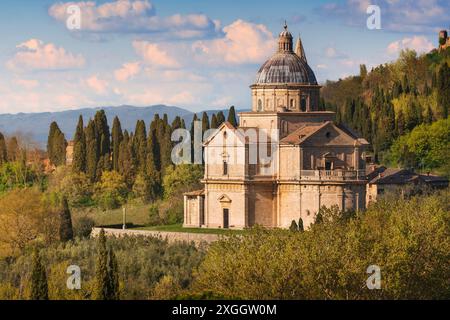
(196, 54)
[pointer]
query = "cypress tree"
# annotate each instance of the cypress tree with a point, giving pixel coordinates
(79, 148)
(92, 152)
(443, 91)
(102, 128)
(176, 123)
(293, 226)
(232, 117)
(101, 290)
(113, 276)
(140, 145)
(165, 148)
(126, 159)
(13, 149)
(214, 124)
(301, 228)
(205, 122)
(117, 137)
(220, 118)
(194, 119)
(3, 150)
(39, 286)
(103, 142)
(65, 226)
(165, 119)
(56, 145)
(153, 155)
(106, 272)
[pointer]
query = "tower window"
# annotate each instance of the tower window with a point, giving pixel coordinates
(292, 104)
(260, 107)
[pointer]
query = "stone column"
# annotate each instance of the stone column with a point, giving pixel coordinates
(185, 210)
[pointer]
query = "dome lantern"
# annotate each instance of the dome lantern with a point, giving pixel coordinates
(285, 40)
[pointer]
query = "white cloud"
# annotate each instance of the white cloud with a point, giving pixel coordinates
(331, 52)
(244, 42)
(37, 55)
(127, 71)
(401, 16)
(154, 55)
(26, 83)
(418, 43)
(98, 85)
(134, 16)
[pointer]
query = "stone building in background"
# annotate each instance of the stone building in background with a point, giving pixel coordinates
(286, 159)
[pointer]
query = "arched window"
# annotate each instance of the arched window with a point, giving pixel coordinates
(260, 107)
(292, 104)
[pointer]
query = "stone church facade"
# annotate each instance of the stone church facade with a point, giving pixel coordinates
(285, 160)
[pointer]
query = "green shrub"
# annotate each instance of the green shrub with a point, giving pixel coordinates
(407, 239)
(83, 226)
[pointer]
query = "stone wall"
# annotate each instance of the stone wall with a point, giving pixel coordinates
(171, 237)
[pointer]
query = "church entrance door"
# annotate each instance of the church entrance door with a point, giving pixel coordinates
(226, 218)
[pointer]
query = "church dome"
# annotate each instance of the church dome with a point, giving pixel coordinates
(286, 66)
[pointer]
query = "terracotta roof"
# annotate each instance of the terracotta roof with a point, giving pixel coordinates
(384, 175)
(302, 133)
(195, 193)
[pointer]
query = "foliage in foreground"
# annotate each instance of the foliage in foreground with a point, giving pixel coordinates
(148, 268)
(408, 239)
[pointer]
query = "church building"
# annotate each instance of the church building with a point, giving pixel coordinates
(285, 160)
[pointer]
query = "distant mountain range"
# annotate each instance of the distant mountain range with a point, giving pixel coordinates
(37, 125)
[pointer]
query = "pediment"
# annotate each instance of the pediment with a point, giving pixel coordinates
(330, 135)
(224, 198)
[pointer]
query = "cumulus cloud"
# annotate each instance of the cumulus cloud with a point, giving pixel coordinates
(399, 16)
(333, 53)
(418, 43)
(243, 42)
(127, 71)
(154, 54)
(98, 85)
(134, 16)
(34, 54)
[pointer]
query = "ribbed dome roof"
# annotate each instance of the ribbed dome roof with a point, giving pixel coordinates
(286, 67)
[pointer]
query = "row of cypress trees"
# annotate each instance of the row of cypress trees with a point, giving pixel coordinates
(144, 153)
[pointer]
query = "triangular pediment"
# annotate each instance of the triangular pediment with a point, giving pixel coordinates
(218, 135)
(330, 134)
(224, 198)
